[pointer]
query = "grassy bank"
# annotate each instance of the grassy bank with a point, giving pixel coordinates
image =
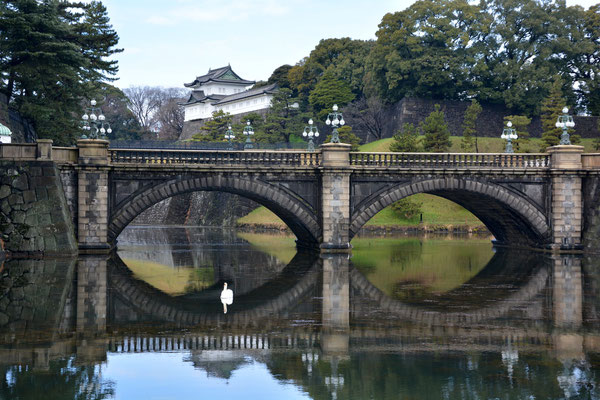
(437, 214)
(486, 145)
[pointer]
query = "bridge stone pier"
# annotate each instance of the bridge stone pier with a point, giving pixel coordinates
(547, 201)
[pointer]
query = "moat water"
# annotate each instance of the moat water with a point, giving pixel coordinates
(435, 317)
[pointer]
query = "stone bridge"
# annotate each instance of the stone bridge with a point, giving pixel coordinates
(546, 200)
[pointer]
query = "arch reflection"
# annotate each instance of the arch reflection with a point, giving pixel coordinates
(337, 339)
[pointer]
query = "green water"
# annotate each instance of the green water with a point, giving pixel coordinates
(402, 318)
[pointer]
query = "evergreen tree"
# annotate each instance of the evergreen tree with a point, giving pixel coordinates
(123, 122)
(346, 136)
(329, 91)
(283, 118)
(214, 129)
(406, 139)
(52, 55)
(520, 124)
(551, 109)
(406, 208)
(468, 142)
(437, 134)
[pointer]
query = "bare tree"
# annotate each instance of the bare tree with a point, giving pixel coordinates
(157, 109)
(143, 103)
(366, 115)
(169, 119)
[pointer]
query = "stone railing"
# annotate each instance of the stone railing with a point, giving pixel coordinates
(247, 157)
(449, 160)
(590, 160)
(43, 150)
(14, 151)
(299, 340)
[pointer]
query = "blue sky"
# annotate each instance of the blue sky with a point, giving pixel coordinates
(168, 43)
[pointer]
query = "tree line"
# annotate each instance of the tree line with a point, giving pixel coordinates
(531, 56)
(55, 55)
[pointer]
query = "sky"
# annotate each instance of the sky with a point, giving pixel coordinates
(169, 43)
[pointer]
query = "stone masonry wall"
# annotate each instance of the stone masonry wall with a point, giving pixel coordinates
(198, 208)
(489, 123)
(34, 216)
(33, 293)
(591, 214)
(69, 181)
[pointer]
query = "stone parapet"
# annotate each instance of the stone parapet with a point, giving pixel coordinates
(93, 152)
(565, 157)
(335, 155)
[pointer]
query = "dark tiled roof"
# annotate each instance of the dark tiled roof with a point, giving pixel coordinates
(270, 89)
(198, 96)
(223, 74)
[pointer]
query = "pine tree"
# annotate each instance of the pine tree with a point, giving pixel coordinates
(551, 109)
(406, 139)
(214, 129)
(468, 142)
(329, 91)
(52, 55)
(520, 124)
(437, 134)
(283, 118)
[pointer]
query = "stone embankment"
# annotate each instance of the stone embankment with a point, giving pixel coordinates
(34, 216)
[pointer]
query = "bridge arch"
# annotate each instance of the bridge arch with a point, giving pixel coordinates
(300, 217)
(510, 217)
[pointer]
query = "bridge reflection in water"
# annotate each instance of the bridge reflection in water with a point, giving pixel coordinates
(317, 324)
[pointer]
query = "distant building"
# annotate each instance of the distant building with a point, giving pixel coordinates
(223, 89)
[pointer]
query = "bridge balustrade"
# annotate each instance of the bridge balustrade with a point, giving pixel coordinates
(445, 160)
(129, 344)
(283, 158)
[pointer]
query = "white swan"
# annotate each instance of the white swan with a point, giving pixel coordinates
(226, 297)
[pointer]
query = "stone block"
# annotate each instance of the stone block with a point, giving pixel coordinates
(18, 217)
(15, 198)
(31, 220)
(29, 196)
(5, 191)
(21, 182)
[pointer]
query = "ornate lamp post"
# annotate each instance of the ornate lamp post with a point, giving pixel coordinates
(248, 131)
(94, 123)
(509, 134)
(229, 136)
(565, 122)
(310, 131)
(335, 119)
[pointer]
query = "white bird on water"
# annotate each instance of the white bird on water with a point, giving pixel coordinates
(226, 297)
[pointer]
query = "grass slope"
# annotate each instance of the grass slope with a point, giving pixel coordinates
(436, 211)
(485, 144)
(173, 281)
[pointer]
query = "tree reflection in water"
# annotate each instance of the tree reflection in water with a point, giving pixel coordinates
(524, 325)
